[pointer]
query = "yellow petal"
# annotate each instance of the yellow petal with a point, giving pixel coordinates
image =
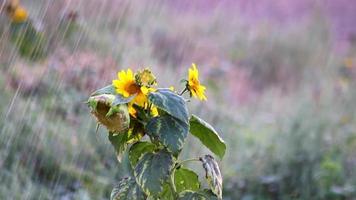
(129, 73)
(132, 110)
(144, 90)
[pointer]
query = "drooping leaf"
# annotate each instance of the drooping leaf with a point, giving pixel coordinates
(152, 171)
(212, 174)
(109, 89)
(207, 135)
(138, 149)
(171, 103)
(127, 189)
(170, 131)
(186, 179)
(119, 142)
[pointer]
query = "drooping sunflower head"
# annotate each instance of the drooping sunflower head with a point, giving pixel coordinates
(196, 89)
(114, 118)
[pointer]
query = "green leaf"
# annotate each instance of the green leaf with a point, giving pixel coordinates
(190, 195)
(207, 135)
(167, 193)
(152, 171)
(185, 179)
(199, 195)
(138, 149)
(212, 174)
(169, 131)
(109, 89)
(171, 103)
(119, 142)
(122, 100)
(127, 189)
(209, 194)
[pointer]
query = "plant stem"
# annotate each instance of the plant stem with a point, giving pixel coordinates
(173, 187)
(185, 89)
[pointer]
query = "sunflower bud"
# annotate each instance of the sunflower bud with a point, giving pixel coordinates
(115, 118)
(145, 78)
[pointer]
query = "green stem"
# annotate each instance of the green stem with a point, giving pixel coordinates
(173, 186)
(185, 89)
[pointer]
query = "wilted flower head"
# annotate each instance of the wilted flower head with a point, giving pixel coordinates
(115, 118)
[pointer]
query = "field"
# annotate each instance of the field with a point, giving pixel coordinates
(280, 78)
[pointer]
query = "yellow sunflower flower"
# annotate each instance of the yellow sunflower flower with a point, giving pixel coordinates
(19, 15)
(195, 88)
(126, 86)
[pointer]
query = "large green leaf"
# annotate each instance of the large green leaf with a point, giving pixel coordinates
(119, 142)
(127, 189)
(171, 103)
(170, 131)
(138, 149)
(207, 135)
(186, 179)
(109, 89)
(152, 171)
(212, 174)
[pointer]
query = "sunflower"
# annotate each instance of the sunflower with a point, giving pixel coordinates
(193, 84)
(19, 15)
(127, 85)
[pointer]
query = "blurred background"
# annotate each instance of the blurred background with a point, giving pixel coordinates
(280, 77)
